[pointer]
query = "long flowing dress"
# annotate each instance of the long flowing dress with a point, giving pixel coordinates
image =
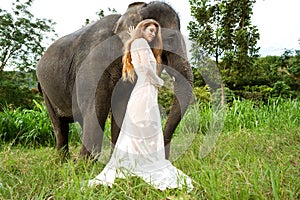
(139, 150)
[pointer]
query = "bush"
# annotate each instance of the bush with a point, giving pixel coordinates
(217, 96)
(27, 127)
(280, 88)
(202, 94)
(256, 92)
(18, 89)
(165, 99)
(31, 127)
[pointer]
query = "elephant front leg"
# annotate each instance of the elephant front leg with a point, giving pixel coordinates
(117, 117)
(119, 103)
(94, 118)
(92, 136)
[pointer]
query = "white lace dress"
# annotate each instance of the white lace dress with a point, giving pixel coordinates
(139, 150)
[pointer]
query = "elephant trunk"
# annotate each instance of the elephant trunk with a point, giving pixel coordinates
(183, 83)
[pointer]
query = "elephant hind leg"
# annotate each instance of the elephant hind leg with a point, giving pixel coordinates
(61, 128)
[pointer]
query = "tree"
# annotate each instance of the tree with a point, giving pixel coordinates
(205, 31)
(223, 29)
(290, 68)
(18, 89)
(22, 36)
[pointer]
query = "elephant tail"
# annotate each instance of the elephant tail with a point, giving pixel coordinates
(40, 88)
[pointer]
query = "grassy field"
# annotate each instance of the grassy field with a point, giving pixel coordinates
(256, 156)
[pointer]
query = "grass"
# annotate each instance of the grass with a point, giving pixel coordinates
(255, 157)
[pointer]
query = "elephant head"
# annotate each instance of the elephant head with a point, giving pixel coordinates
(174, 55)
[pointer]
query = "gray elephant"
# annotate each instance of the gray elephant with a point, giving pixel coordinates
(80, 76)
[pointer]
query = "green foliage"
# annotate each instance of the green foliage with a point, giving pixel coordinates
(271, 76)
(270, 70)
(26, 127)
(290, 68)
(256, 92)
(198, 80)
(18, 89)
(268, 77)
(217, 96)
(202, 94)
(22, 36)
(276, 114)
(281, 89)
(165, 99)
(31, 127)
(223, 30)
(206, 95)
(265, 71)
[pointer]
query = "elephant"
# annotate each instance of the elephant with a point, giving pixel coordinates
(80, 76)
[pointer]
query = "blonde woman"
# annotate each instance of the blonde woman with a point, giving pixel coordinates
(139, 150)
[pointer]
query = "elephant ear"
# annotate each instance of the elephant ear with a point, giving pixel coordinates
(131, 17)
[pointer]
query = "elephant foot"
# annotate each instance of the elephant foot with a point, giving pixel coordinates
(84, 153)
(64, 154)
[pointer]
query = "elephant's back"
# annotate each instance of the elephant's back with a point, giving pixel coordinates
(57, 68)
(78, 44)
(63, 58)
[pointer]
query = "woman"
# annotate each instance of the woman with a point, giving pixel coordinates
(139, 150)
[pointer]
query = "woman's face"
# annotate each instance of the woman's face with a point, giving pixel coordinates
(150, 32)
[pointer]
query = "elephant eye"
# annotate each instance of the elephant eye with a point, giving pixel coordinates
(170, 40)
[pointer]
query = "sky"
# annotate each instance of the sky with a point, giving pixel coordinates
(277, 20)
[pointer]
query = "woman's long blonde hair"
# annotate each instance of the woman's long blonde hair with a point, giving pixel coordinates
(156, 47)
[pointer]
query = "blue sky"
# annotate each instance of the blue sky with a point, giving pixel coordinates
(277, 20)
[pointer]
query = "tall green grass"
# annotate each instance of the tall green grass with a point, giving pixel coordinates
(256, 156)
(27, 127)
(31, 127)
(276, 114)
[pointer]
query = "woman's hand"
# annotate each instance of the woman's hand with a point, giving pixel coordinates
(131, 30)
